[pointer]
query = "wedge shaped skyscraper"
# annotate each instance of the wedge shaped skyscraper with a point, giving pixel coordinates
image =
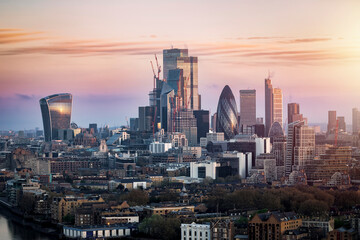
(56, 114)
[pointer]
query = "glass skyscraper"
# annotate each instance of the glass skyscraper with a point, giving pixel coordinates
(226, 121)
(178, 59)
(247, 108)
(56, 114)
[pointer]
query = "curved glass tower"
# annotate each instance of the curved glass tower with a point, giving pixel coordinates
(56, 114)
(226, 120)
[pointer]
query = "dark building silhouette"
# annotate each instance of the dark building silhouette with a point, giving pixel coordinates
(146, 118)
(331, 121)
(94, 128)
(56, 114)
(226, 121)
(202, 123)
(268, 105)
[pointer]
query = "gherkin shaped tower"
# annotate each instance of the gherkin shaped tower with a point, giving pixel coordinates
(226, 120)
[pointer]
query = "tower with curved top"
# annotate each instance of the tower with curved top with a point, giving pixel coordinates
(226, 121)
(56, 114)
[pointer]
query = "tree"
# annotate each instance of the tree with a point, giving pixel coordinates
(69, 218)
(120, 187)
(136, 197)
(313, 207)
(159, 227)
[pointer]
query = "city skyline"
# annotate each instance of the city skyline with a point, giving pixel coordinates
(87, 51)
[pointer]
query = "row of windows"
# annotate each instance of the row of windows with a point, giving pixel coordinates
(195, 232)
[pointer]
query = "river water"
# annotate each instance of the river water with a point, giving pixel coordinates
(14, 231)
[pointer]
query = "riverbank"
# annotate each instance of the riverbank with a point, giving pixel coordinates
(17, 216)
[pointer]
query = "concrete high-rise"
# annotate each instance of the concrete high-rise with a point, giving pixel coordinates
(293, 109)
(179, 59)
(277, 106)
(247, 108)
(56, 114)
(300, 146)
(342, 124)
(335, 160)
(185, 122)
(355, 121)
(268, 105)
(331, 121)
(273, 106)
(146, 118)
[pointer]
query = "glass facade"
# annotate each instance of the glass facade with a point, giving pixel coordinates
(226, 121)
(56, 114)
(247, 108)
(277, 106)
(178, 59)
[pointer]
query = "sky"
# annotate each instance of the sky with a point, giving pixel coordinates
(100, 51)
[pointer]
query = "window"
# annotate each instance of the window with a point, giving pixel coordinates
(201, 172)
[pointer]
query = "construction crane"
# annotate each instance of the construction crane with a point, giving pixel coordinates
(152, 66)
(158, 67)
(336, 132)
(127, 121)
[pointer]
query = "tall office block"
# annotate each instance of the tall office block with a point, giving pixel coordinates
(293, 109)
(279, 150)
(154, 99)
(170, 59)
(146, 118)
(300, 146)
(247, 108)
(202, 123)
(268, 105)
(56, 114)
(94, 128)
(331, 121)
(134, 124)
(277, 106)
(355, 121)
(342, 124)
(213, 122)
(166, 105)
(226, 121)
(273, 106)
(185, 122)
(179, 59)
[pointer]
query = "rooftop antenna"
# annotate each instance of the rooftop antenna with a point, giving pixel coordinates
(270, 74)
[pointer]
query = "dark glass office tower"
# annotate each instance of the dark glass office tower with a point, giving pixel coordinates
(202, 123)
(56, 114)
(226, 121)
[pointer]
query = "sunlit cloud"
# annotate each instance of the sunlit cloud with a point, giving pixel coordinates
(12, 35)
(253, 53)
(306, 40)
